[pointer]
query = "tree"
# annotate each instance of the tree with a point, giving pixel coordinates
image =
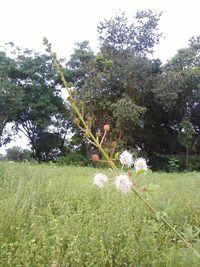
(117, 35)
(186, 65)
(10, 95)
(48, 146)
(185, 135)
(18, 154)
(114, 83)
(167, 89)
(30, 94)
(2, 157)
(41, 99)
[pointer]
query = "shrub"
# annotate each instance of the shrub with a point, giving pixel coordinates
(74, 159)
(194, 163)
(173, 165)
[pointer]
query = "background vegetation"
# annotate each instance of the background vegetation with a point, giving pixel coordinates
(153, 108)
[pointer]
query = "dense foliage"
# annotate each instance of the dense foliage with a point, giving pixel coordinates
(146, 103)
(53, 216)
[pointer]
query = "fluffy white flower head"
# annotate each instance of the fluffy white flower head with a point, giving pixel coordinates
(126, 159)
(123, 183)
(140, 165)
(100, 179)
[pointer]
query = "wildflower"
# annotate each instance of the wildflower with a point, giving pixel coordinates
(95, 157)
(140, 165)
(100, 179)
(126, 159)
(123, 183)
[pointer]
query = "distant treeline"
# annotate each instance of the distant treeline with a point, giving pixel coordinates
(153, 109)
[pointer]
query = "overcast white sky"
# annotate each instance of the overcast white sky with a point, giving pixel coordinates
(64, 22)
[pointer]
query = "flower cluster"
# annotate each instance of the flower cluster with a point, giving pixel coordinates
(140, 165)
(123, 181)
(126, 159)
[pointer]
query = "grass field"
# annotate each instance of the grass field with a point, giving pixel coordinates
(54, 216)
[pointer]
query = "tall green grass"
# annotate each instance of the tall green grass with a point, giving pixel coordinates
(54, 216)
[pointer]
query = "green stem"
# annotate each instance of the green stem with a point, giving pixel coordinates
(162, 218)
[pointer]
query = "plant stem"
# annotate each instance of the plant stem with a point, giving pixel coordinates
(162, 218)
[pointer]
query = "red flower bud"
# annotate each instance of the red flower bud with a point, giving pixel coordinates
(129, 173)
(95, 157)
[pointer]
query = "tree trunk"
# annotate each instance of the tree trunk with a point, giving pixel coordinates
(186, 158)
(194, 145)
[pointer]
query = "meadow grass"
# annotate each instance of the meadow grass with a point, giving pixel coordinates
(54, 216)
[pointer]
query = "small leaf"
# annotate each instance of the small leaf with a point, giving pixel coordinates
(116, 155)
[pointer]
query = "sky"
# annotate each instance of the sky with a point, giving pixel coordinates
(64, 22)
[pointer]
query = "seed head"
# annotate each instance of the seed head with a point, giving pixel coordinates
(77, 121)
(106, 127)
(95, 157)
(140, 165)
(89, 119)
(126, 159)
(123, 183)
(114, 144)
(81, 104)
(100, 179)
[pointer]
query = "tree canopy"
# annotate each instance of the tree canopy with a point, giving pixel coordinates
(145, 102)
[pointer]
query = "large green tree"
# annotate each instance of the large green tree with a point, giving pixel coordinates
(115, 82)
(31, 95)
(176, 92)
(186, 65)
(10, 95)
(144, 101)
(118, 35)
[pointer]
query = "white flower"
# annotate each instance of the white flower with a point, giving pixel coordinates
(123, 183)
(100, 179)
(126, 159)
(140, 165)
